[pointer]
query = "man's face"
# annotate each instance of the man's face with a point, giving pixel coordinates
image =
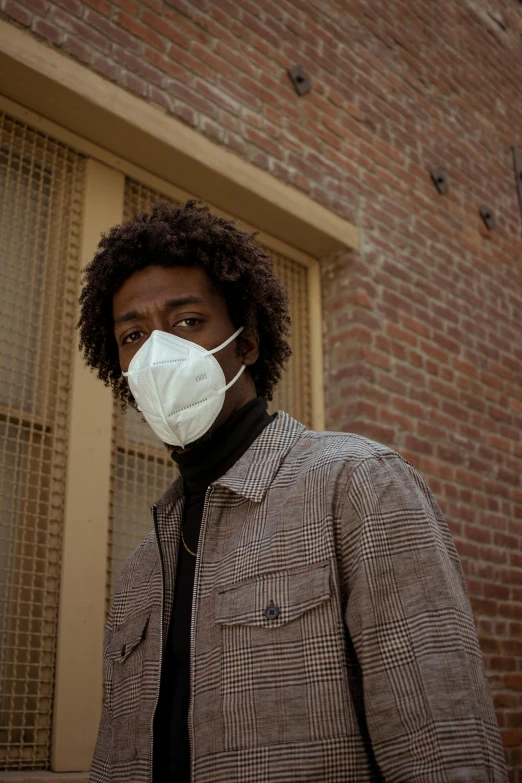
(182, 300)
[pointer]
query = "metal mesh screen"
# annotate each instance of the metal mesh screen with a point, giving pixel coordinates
(293, 392)
(142, 468)
(41, 189)
(142, 471)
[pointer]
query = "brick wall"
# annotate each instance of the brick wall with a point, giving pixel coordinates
(423, 335)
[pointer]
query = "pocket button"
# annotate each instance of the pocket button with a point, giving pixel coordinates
(272, 611)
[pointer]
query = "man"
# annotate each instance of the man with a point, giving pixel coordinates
(299, 612)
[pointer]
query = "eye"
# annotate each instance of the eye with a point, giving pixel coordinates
(132, 337)
(188, 322)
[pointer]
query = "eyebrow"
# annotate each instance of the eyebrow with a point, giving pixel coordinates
(170, 304)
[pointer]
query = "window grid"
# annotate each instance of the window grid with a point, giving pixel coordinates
(41, 192)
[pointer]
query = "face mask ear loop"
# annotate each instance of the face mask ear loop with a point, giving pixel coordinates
(227, 342)
(232, 382)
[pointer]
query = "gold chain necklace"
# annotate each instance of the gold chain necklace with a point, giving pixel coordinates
(194, 554)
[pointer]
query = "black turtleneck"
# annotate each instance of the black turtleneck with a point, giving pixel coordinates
(198, 467)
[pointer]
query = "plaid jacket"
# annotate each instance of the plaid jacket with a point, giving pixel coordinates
(332, 639)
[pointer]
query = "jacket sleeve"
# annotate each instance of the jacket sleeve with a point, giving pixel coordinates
(101, 763)
(427, 701)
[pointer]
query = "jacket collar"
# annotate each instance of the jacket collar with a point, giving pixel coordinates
(253, 473)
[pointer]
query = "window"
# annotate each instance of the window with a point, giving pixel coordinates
(41, 187)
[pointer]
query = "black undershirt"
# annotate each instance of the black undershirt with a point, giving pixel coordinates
(198, 467)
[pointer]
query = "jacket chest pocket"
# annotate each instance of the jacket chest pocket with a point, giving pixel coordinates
(279, 637)
(124, 662)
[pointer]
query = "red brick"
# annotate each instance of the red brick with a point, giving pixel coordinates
(214, 61)
(499, 414)
(38, 6)
(513, 576)
(457, 411)
(182, 57)
(512, 647)
(215, 26)
(192, 99)
(130, 6)
(265, 37)
(79, 50)
(217, 95)
(83, 33)
(17, 12)
(192, 31)
(163, 63)
(212, 129)
(240, 62)
(111, 31)
(450, 454)
(402, 335)
(140, 30)
(396, 419)
(408, 407)
(73, 6)
(185, 113)
(372, 430)
(416, 444)
(437, 468)
(103, 65)
(513, 681)
(160, 97)
(503, 663)
(504, 700)
(101, 6)
(476, 533)
(138, 66)
(443, 389)
(484, 606)
(164, 28)
(492, 590)
(377, 359)
(511, 737)
(468, 478)
(258, 90)
(134, 84)
(510, 610)
(436, 353)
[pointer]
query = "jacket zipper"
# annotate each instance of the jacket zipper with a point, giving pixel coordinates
(192, 632)
(154, 509)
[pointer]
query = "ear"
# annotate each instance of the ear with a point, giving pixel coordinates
(249, 347)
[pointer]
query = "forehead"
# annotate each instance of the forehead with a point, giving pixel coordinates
(154, 285)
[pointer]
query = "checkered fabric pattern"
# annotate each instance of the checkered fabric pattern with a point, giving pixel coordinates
(333, 641)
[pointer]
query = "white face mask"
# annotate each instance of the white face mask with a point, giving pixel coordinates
(179, 386)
